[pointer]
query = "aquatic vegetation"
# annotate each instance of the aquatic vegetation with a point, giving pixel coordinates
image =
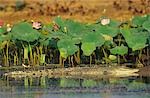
(67, 41)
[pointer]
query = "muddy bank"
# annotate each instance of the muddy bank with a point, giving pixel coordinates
(77, 72)
(145, 71)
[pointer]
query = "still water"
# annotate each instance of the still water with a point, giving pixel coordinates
(44, 87)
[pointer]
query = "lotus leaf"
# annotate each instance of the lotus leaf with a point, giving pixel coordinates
(93, 37)
(66, 47)
(139, 20)
(114, 23)
(107, 30)
(136, 41)
(112, 57)
(90, 41)
(88, 48)
(146, 25)
(24, 31)
(121, 50)
(2, 30)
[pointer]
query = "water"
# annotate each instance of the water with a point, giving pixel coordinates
(44, 87)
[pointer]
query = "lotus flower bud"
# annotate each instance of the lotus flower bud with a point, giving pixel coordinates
(1, 23)
(105, 21)
(8, 27)
(36, 25)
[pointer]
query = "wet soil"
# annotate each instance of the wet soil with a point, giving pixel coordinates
(145, 71)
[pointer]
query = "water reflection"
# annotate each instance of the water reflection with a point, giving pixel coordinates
(44, 87)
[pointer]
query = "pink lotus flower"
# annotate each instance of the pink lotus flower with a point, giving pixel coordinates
(36, 25)
(1, 23)
(105, 21)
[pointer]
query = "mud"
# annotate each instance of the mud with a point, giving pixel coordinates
(81, 10)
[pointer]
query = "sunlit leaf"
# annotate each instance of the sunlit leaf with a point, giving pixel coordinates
(66, 47)
(135, 40)
(121, 50)
(88, 48)
(24, 31)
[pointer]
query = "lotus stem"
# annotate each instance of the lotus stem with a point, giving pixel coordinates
(72, 61)
(60, 60)
(31, 55)
(118, 59)
(38, 55)
(90, 59)
(105, 54)
(69, 60)
(78, 55)
(7, 54)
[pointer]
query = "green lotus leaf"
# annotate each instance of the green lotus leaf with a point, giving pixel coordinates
(74, 28)
(59, 21)
(139, 20)
(2, 30)
(24, 31)
(121, 50)
(135, 40)
(66, 47)
(63, 52)
(91, 37)
(112, 57)
(107, 30)
(114, 23)
(146, 25)
(88, 48)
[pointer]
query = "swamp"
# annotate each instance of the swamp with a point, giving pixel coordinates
(74, 48)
